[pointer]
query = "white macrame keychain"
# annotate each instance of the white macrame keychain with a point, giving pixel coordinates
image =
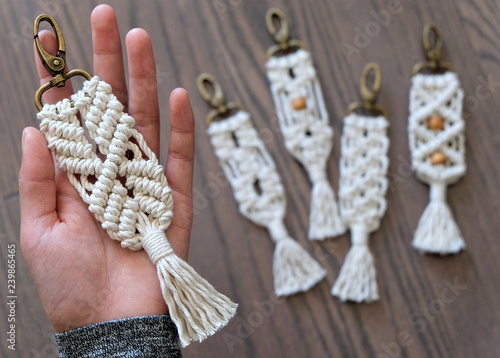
(362, 188)
(303, 120)
(257, 188)
(127, 190)
(437, 144)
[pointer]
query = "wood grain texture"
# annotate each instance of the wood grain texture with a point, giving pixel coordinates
(228, 38)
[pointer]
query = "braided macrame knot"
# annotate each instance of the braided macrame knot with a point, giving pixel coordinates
(247, 164)
(128, 193)
(438, 156)
(362, 188)
(308, 137)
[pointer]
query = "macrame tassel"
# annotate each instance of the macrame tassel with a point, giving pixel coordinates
(247, 165)
(437, 231)
(304, 124)
(324, 219)
(437, 144)
(362, 188)
(195, 306)
(357, 279)
(293, 268)
(129, 194)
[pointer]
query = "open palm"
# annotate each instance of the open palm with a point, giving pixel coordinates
(82, 275)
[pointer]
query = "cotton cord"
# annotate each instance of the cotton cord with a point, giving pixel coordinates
(128, 193)
(439, 96)
(362, 188)
(308, 137)
(248, 165)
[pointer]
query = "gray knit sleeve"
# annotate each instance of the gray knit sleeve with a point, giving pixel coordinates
(149, 336)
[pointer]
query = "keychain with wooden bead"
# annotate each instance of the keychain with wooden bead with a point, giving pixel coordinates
(437, 144)
(303, 120)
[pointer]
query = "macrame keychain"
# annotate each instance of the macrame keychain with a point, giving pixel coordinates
(127, 190)
(257, 187)
(303, 120)
(437, 144)
(362, 187)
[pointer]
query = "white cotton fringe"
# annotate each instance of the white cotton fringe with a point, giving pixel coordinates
(324, 219)
(437, 231)
(195, 306)
(357, 280)
(294, 269)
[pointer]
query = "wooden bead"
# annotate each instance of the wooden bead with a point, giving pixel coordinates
(438, 158)
(299, 103)
(435, 123)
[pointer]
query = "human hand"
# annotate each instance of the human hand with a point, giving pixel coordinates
(82, 275)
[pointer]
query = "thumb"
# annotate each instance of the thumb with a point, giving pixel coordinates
(37, 185)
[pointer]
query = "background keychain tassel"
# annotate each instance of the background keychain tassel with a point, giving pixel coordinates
(437, 144)
(246, 163)
(437, 231)
(303, 120)
(258, 189)
(324, 218)
(362, 188)
(357, 280)
(129, 194)
(363, 184)
(294, 269)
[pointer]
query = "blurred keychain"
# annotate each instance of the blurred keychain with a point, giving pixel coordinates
(303, 120)
(127, 190)
(362, 188)
(437, 144)
(257, 187)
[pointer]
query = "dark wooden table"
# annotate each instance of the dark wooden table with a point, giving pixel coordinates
(416, 316)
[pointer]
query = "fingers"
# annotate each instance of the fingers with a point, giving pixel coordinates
(143, 99)
(179, 170)
(108, 57)
(37, 185)
(56, 94)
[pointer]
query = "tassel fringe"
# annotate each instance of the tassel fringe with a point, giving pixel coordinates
(294, 269)
(437, 231)
(324, 220)
(195, 306)
(357, 280)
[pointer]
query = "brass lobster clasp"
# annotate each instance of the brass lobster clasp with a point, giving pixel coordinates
(433, 53)
(55, 65)
(215, 99)
(282, 35)
(369, 95)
